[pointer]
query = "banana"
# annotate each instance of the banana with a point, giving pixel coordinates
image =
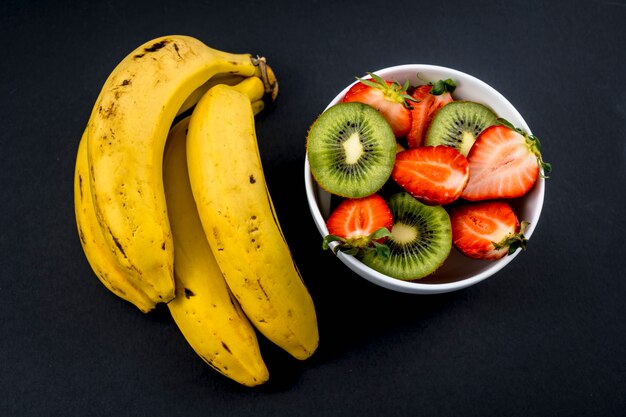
(126, 135)
(123, 282)
(194, 97)
(209, 317)
(267, 77)
(98, 255)
(240, 222)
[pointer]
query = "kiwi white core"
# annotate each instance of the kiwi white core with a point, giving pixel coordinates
(403, 233)
(468, 141)
(353, 148)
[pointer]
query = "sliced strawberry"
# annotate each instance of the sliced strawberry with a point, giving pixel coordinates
(388, 97)
(429, 98)
(359, 224)
(432, 174)
(486, 230)
(504, 163)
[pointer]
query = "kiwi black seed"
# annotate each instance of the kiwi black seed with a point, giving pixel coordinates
(351, 150)
(458, 124)
(420, 241)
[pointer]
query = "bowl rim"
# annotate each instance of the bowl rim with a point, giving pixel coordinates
(411, 286)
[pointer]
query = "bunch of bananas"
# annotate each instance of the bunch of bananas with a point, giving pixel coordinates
(174, 209)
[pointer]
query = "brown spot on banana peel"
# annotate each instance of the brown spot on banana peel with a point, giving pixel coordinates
(108, 111)
(188, 293)
(81, 235)
(117, 243)
(156, 46)
(120, 247)
(80, 186)
(218, 242)
(225, 346)
(262, 289)
(152, 48)
(177, 51)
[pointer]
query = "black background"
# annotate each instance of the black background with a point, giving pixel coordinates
(544, 337)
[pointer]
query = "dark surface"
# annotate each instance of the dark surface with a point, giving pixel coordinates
(544, 337)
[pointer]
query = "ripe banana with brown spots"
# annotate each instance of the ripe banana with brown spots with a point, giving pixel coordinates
(240, 222)
(204, 309)
(121, 281)
(102, 261)
(126, 135)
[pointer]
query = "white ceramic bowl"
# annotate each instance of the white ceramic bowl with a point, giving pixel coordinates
(458, 271)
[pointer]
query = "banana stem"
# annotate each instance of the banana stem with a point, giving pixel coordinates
(267, 76)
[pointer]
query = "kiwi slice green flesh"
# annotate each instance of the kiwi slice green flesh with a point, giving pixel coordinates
(351, 150)
(458, 124)
(420, 241)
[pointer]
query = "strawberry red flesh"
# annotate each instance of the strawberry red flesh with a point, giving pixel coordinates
(486, 230)
(424, 108)
(388, 97)
(435, 175)
(504, 163)
(356, 219)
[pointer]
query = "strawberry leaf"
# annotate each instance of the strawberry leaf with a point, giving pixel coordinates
(439, 87)
(328, 239)
(380, 233)
(513, 241)
(382, 250)
(442, 86)
(360, 245)
(395, 91)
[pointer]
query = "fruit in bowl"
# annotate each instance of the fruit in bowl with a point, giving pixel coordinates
(423, 179)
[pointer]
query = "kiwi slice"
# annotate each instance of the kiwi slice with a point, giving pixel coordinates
(458, 124)
(351, 150)
(420, 241)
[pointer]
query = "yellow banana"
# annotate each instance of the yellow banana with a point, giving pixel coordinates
(98, 255)
(126, 135)
(204, 310)
(240, 224)
(123, 282)
(268, 87)
(194, 97)
(252, 88)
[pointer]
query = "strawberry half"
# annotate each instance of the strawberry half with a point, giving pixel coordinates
(389, 98)
(359, 224)
(432, 174)
(504, 162)
(428, 99)
(486, 230)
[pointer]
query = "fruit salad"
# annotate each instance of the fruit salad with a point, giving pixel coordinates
(415, 172)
